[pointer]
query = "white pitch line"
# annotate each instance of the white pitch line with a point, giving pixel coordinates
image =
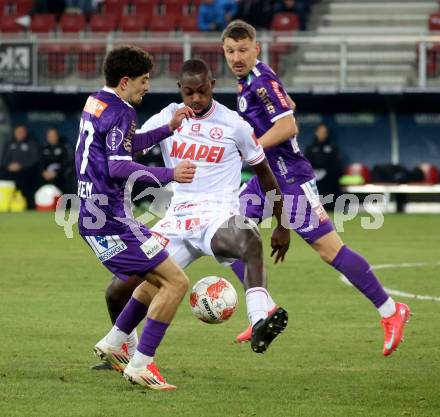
(397, 292)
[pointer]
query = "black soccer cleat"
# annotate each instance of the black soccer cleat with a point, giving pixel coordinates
(102, 366)
(268, 329)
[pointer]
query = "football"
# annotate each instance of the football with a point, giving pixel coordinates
(213, 299)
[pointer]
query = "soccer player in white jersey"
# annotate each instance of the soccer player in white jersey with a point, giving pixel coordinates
(203, 218)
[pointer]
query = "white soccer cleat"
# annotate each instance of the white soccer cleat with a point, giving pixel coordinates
(116, 356)
(148, 377)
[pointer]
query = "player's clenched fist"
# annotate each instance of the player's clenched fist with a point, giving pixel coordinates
(180, 114)
(184, 172)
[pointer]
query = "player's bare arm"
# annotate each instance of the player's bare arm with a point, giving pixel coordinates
(282, 130)
(180, 114)
(280, 240)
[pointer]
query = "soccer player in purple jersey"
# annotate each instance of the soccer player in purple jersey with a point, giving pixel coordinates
(263, 102)
(103, 160)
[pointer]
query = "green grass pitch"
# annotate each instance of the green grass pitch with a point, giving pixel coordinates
(328, 362)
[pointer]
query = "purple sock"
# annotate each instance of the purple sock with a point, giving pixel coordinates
(238, 268)
(132, 314)
(152, 335)
(358, 271)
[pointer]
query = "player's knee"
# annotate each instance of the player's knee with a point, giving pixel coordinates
(181, 282)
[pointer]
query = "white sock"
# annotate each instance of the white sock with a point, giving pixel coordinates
(139, 360)
(270, 302)
(132, 343)
(256, 301)
(388, 308)
(116, 337)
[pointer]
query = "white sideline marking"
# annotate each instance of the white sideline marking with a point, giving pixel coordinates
(397, 292)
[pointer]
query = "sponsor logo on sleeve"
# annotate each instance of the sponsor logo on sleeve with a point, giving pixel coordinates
(114, 139)
(262, 93)
(95, 106)
(127, 140)
(277, 90)
(106, 247)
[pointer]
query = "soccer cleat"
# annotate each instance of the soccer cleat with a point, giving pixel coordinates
(148, 377)
(102, 366)
(264, 331)
(393, 327)
(246, 336)
(116, 356)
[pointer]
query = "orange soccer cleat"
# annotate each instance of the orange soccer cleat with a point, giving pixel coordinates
(148, 376)
(393, 327)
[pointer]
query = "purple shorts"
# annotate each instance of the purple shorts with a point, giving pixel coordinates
(129, 253)
(307, 215)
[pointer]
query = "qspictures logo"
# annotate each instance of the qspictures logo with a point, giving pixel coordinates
(15, 64)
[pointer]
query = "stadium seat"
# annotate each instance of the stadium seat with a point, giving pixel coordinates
(174, 54)
(433, 58)
(53, 61)
(431, 173)
(166, 23)
(102, 24)
(9, 25)
(115, 8)
(72, 23)
(434, 22)
(190, 9)
(285, 22)
(173, 7)
(212, 54)
(5, 8)
(22, 7)
(90, 58)
(43, 23)
(276, 52)
(360, 169)
(146, 7)
(188, 24)
(132, 24)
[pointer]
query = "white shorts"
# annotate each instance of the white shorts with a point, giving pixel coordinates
(188, 228)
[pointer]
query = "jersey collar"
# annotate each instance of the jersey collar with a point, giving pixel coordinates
(208, 113)
(111, 91)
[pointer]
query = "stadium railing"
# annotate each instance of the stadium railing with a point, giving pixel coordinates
(305, 62)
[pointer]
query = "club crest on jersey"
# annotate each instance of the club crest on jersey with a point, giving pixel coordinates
(216, 133)
(105, 247)
(242, 104)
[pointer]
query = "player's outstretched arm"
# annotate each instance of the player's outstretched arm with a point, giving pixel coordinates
(280, 240)
(282, 130)
(148, 175)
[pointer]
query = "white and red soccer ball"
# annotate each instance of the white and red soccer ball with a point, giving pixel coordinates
(213, 299)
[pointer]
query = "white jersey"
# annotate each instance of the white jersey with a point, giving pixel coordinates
(216, 143)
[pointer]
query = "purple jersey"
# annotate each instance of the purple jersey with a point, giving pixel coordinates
(261, 102)
(107, 127)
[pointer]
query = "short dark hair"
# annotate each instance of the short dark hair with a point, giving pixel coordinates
(195, 66)
(126, 61)
(239, 29)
